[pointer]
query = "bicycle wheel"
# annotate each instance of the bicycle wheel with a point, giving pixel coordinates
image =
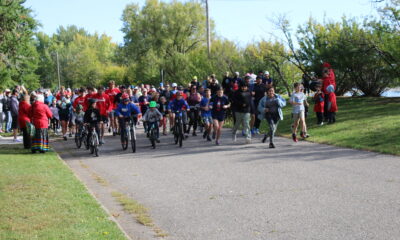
(125, 139)
(180, 135)
(153, 137)
(78, 141)
(176, 135)
(85, 140)
(133, 139)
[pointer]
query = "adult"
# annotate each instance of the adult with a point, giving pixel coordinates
(194, 82)
(328, 78)
(194, 104)
(6, 110)
(306, 80)
(104, 106)
(258, 93)
(242, 105)
(24, 114)
(166, 92)
(14, 105)
(112, 92)
(213, 85)
(268, 81)
(226, 80)
(270, 109)
(64, 111)
(40, 118)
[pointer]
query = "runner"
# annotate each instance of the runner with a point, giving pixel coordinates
(112, 92)
(218, 103)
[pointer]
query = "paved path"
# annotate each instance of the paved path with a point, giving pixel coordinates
(235, 191)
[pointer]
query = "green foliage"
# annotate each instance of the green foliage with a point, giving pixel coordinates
(17, 54)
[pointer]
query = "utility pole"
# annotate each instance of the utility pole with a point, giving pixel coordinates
(208, 30)
(58, 71)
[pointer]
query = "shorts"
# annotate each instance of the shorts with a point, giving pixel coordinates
(207, 119)
(219, 117)
(64, 117)
(14, 123)
(297, 116)
(111, 114)
(104, 119)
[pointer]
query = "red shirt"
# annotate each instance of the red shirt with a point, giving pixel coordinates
(40, 115)
(79, 100)
(332, 100)
(111, 94)
(24, 113)
(103, 103)
(86, 102)
(319, 100)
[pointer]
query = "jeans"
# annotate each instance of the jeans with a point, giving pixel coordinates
(8, 121)
(1, 120)
(244, 119)
(273, 125)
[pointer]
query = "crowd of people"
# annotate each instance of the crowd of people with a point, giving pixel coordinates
(204, 107)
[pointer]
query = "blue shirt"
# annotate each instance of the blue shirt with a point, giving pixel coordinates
(177, 105)
(204, 103)
(127, 110)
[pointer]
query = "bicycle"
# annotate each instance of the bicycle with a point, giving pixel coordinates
(129, 134)
(94, 141)
(80, 135)
(153, 134)
(178, 129)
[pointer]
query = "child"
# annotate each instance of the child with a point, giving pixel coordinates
(152, 116)
(298, 113)
(319, 102)
(77, 117)
(163, 109)
(54, 122)
(332, 106)
(92, 117)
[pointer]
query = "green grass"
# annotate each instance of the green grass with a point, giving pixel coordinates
(362, 123)
(40, 198)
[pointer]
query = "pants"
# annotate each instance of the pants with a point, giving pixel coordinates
(26, 138)
(163, 123)
(150, 124)
(8, 121)
(244, 119)
(273, 125)
(320, 117)
(54, 124)
(326, 100)
(331, 117)
(1, 120)
(193, 119)
(257, 121)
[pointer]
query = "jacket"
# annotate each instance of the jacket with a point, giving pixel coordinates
(40, 114)
(319, 102)
(261, 104)
(242, 101)
(24, 114)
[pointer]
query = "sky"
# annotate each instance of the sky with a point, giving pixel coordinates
(242, 21)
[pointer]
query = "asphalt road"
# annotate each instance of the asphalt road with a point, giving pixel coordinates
(235, 191)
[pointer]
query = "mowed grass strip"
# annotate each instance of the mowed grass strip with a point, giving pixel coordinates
(364, 123)
(40, 198)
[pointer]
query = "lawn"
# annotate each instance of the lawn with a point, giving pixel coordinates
(40, 198)
(363, 123)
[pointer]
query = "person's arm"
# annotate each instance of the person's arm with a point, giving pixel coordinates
(281, 101)
(49, 114)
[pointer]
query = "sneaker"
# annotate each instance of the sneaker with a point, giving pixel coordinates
(248, 140)
(257, 131)
(65, 138)
(204, 135)
(252, 132)
(194, 134)
(233, 137)
(157, 140)
(109, 130)
(271, 145)
(217, 143)
(70, 135)
(17, 140)
(102, 142)
(213, 135)
(294, 137)
(208, 138)
(186, 136)
(321, 124)
(114, 133)
(264, 139)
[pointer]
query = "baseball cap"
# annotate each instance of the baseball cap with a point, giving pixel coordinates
(174, 85)
(266, 73)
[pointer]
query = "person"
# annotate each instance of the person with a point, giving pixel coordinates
(258, 93)
(174, 89)
(242, 104)
(194, 101)
(213, 85)
(40, 114)
(319, 104)
(218, 105)
(55, 119)
(332, 106)
(7, 110)
(92, 117)
(1, 111)
(206, 114)
(64, 111)
(226, 83)
(297, 100)
(194, 82)
(328, 78)
(268, 81)
(152, 116)
(166, 92)
(104, 106)
(88, 96)
(14, 105)
(163, 108)
(126, 111)
(178, 105)
(144, 101)
(24, 114)
(270, 109)
(48, 97)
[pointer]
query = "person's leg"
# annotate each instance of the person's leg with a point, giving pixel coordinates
(238, 121)
(1, 121)
(196, 120)
(246, 126)
(26, 138)
(216, 125)
(219, 129)
(9, 121)
(333, 117)
(273, 126)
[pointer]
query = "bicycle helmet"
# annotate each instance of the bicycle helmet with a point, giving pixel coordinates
(79, 107)
(153, 104)
(125, 97)
(92, 100)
